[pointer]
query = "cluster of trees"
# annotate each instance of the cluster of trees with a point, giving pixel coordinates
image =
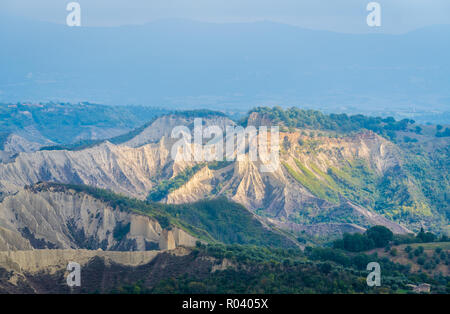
(79, 145)
(375, 237)
(425, 237)
(408, 139)
(430, 173)
(420, 237)
(428, 262)
(261, 270)
(200, 113)
(440, 133)
(380, 236)
(312, 119)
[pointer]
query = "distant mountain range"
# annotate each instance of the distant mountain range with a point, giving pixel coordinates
(64, 123)
(186, 64)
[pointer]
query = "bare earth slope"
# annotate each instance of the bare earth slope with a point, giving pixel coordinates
(42, 217)
(321, 178)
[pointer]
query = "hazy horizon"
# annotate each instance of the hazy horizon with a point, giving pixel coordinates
(398, 16)
(186, 61)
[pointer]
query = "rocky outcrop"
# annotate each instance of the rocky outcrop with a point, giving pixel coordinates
(119, 168)
(45, 271)
(33, 261)
(11, 240)
(279, 195)
(17, 144)
(42, 218)
(131, 168)
(198, 187)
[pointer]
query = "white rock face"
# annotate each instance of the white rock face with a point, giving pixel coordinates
(143, 230)
(131, 168)
(72, 220)
(15, 144)
(18, 144)
(11, 240)
(119, 168)
(162, 127)
(50, 261)
(198, 187)
(280, 195)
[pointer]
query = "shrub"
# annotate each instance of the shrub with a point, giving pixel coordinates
(421, 260)
(429, 265)
(418, 251)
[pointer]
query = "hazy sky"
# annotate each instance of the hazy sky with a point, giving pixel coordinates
(338, 15)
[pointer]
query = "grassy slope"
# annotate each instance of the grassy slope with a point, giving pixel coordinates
(353, 181)
(415, 193)
(402, 257)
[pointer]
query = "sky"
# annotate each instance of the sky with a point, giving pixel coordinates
(348, 16)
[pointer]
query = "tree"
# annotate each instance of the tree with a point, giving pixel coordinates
(426, 237)
(445, 133)
(418, 251)
(421, 260)
(444, 238)
(380, 235)
(325, 268)
(356, 242)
